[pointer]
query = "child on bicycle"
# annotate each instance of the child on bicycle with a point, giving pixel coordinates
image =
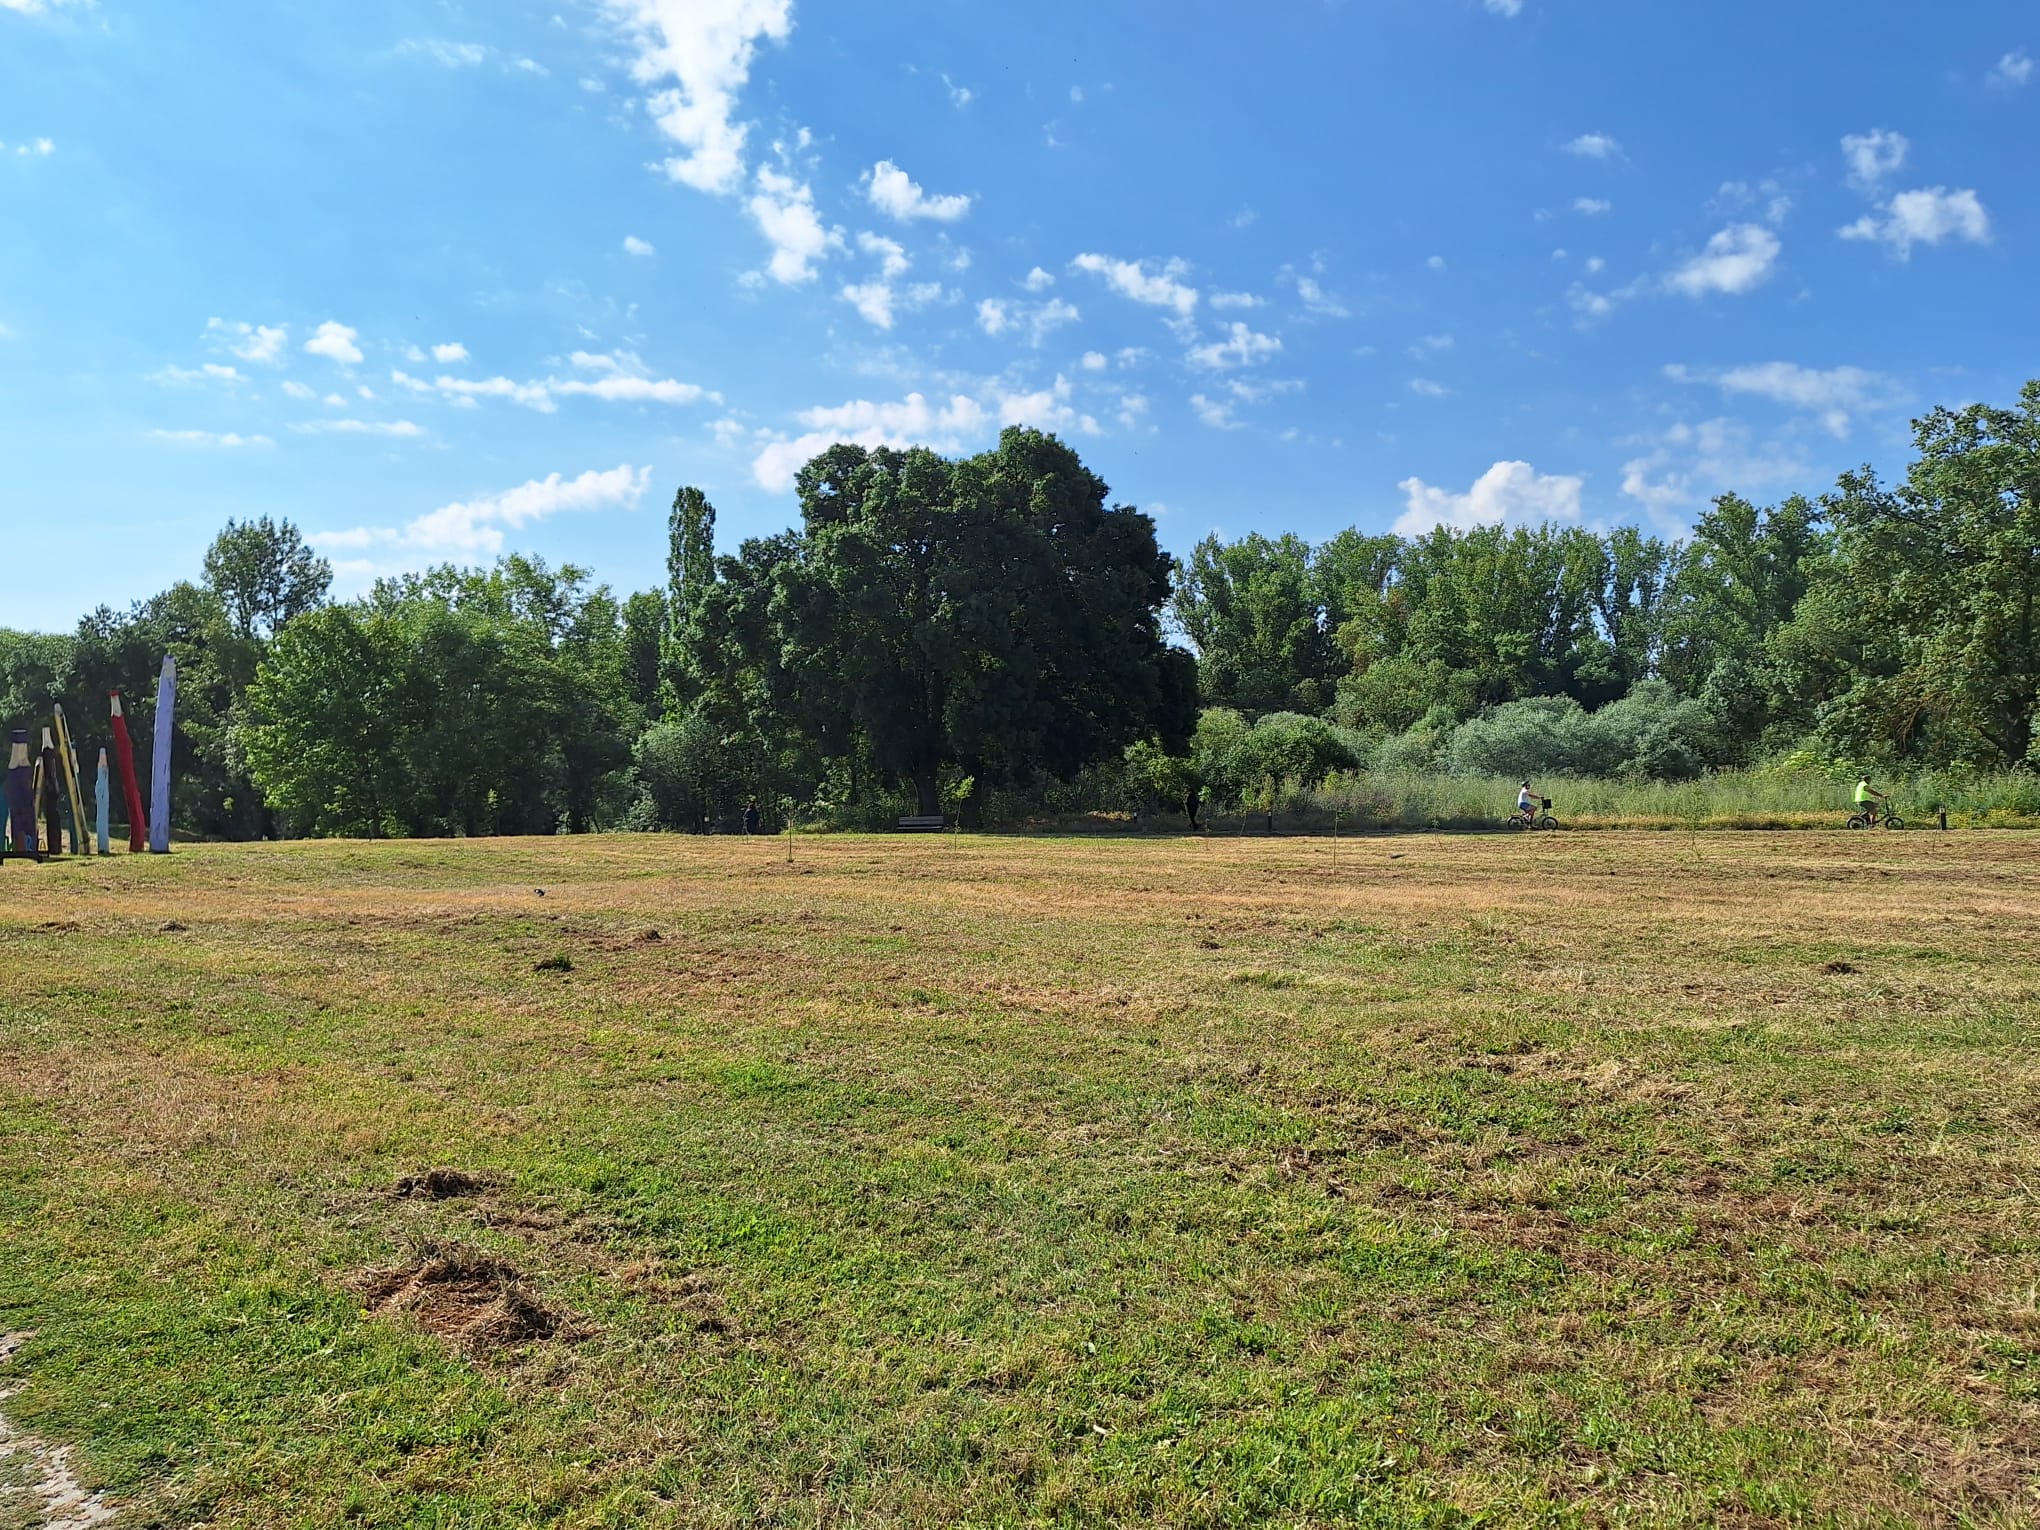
(1867, 798)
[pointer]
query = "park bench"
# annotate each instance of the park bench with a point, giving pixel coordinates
(933, 823)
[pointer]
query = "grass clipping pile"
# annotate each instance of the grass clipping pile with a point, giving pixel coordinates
(472, 1300)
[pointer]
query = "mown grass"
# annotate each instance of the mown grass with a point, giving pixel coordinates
(1547, 1181)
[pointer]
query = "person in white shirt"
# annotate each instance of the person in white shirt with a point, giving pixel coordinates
(1526, 804)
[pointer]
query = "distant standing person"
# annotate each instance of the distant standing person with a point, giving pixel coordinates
(1193, 798)
(751, 816)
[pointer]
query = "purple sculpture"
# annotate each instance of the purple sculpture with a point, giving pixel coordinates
(21, 792)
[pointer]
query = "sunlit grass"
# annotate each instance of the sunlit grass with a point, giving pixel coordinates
(1665, 1179)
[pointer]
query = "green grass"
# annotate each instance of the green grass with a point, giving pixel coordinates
(1612, 1179)
(1758, 799)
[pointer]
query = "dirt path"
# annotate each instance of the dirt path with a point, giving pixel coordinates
(37, 1487)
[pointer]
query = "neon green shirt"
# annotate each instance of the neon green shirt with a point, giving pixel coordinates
(1863, 792)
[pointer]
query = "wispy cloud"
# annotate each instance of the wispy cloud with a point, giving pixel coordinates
(477, 527)
(1132, 279)
(1594, 146)
(208, 438)
(1931, 215)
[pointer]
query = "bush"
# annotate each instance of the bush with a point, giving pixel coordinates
(1651, 734)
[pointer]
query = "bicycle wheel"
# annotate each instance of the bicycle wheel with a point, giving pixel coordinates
(1893, 821)
(1546, 821)
(1858, 821)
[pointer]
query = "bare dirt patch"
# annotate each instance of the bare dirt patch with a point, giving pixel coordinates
(36, 1479)
(474, 1301)
(440, 1185)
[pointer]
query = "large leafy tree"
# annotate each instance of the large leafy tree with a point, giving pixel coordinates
(1254, 611)
(991, 617)
(264, 575)
(450, 702)
(1942, 576)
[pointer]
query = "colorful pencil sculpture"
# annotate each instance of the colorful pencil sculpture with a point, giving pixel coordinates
(159, 764)
(124, 758)
(48, 774)
(104, 794)
(67, 758)
(21, 792)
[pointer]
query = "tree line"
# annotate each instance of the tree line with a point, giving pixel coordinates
(985, 635)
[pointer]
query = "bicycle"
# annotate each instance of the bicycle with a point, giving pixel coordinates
(1533, 818)
(1861, 819)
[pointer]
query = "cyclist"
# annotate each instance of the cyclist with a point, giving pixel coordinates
(1867, 798)
(1527, 804)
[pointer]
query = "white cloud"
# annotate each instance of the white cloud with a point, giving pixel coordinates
(617, 389)
(995, 316)
(784, 210)
(1509, 8)
(913, 421)
(1044, 409)
(1736, 260)
(893, 193)
(1216, 413)
(1595, 266)
(1592, 207)
(33, 7)
(892, 256)
(476, 527)
(531, 395)
(39, 148)
(1834, 395)
(1318, 301)
(1242, 347)
(260, 343)
(1436, 263)
(960, 96)
(449, 353)
(211, 371)
(1690, 462)
(1873, 157)
(642, 248)
(1423, 387)
(704, 49)
(1507, 493)
(878, 300)
(450, 55)
(336, 342)
(402, 428)
(298, 390)
(1132, 279)
(1038, 280)
(1594, 146)
(1431, 345)
(1928, 216)
(2013, 70)
(1094, 361)
(208, 438)
(1739, 196)
(623, 380)
(1227, 301)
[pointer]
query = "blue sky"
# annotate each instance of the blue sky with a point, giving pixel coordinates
(439, 280)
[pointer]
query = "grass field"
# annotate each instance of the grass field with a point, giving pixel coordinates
(1648, 1179)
